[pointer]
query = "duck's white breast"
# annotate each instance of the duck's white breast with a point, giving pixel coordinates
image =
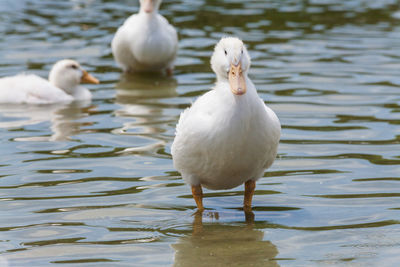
(221, 142)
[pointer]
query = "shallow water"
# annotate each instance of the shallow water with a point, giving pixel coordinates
(92, 184)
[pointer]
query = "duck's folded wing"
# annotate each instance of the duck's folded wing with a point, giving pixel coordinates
(30, 89)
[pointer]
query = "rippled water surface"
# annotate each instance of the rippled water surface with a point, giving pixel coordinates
(92, 184)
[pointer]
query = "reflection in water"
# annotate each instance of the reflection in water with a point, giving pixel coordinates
(64, 122)
(63, 118)
(218, 244)
(133, 87)
(141, 96)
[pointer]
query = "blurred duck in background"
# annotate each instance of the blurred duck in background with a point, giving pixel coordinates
(146, 41)
(228, 136)
(63, 85)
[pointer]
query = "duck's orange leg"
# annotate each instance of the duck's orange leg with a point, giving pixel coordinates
(170, 71)
(249, 188)
(197, 193)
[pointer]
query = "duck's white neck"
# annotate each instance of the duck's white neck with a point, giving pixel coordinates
(150, 22)
(147, 14)
(68, 87)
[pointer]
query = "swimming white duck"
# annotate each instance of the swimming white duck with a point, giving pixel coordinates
(146, 41)
(228, 136)
(63, 85)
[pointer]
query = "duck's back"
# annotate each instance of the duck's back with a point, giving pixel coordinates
(144, 43)
(29, 88)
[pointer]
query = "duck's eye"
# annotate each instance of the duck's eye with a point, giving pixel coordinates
(242, 51)
(225, 52)
(75, 67)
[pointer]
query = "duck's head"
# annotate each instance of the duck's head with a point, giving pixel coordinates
(231, 62)
(67, 74)
(149, 6)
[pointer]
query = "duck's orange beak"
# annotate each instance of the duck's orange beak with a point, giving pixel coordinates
(236, 79)
(87, 78)
(148, 6)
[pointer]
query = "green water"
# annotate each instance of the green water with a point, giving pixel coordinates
(93, 184)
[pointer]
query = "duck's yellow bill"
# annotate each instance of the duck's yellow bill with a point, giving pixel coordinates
(236, 79)
(87, 78)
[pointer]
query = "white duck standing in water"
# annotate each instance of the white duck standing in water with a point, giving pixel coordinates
(146, 41)
(228, 136)
(63, 85)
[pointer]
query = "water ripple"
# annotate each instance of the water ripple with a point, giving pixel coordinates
(82, 180)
